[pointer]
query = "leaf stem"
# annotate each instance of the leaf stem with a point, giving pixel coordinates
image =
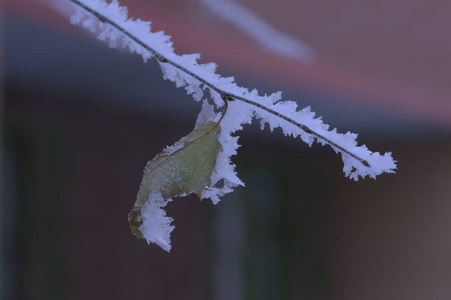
(226, 96)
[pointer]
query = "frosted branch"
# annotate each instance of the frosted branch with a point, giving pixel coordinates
(239, 106)
(185, 71)
(224, 94)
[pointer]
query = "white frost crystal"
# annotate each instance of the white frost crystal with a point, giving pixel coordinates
(156, 227)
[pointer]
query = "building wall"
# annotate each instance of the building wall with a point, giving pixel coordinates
(391, 238)
(299, 229)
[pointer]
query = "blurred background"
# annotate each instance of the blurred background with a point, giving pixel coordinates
(81, 120)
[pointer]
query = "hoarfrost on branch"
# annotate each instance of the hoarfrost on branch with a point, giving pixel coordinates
(110, 22)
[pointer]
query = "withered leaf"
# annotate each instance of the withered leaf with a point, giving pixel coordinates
(181, 169)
